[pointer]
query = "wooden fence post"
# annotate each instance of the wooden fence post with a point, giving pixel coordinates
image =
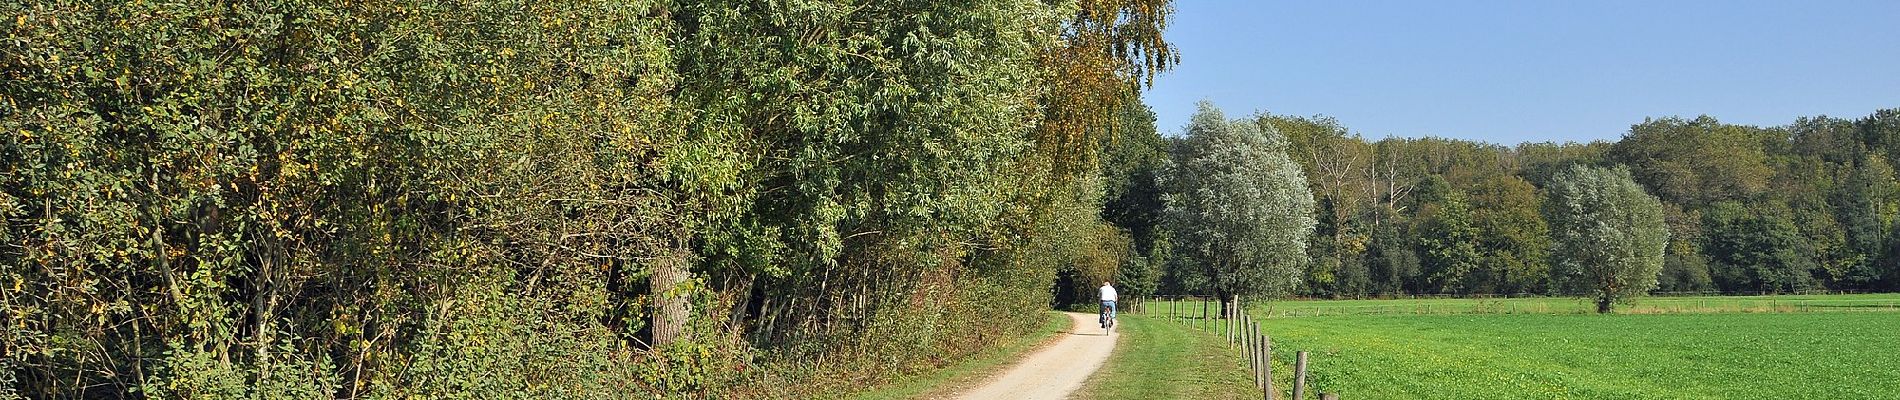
(1229, 317)
(1266, 366)
(1253, 335)
(1246, 343)
(1205, 321)
(1226, 317)
(1260, 355)
(1299, 376)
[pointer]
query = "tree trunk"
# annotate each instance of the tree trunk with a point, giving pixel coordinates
(670, 309)
(1603, 305)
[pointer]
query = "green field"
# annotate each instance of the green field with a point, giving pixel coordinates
(1543, 348)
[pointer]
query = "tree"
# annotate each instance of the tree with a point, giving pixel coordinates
(1538, 162)
(1390, 258)
(1608, 234)
(1514, 238)
(1239, 206)
(1450, 243)
(1134, 157)
(304, 199)
(1865, 204)
(1758, 248)
(1685, 269)
(1881, 133)
(1337, 165)
(1337, 268)
(1105, 52)
(1696, 162)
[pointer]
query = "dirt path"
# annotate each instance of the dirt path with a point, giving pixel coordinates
(1055, 370)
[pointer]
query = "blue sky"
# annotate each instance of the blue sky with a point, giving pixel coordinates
(1534, 70)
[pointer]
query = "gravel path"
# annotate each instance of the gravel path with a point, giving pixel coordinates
(1054, 370)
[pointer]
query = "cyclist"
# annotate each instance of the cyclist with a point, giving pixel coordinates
(1108, 306)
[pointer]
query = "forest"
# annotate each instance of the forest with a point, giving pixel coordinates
(1807, 206)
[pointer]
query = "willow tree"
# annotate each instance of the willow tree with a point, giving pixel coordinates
(1239, 206)
(1607, 234)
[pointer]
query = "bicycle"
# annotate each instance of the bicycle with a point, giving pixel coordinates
(1107, 317)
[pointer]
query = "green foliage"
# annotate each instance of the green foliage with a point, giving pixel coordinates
(1449, 239)
(1538, 162)
(283, 199)
(1335, 162)
(907, 173)
(1382, 204)
(1760, 249)
(1391, 261)
(1239, 206)
(406, 199)
(1608, 235)
(1697, 162)
(1131, 172)
(1512, 235)
(1685, 269)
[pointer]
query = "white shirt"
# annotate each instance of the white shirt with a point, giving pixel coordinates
(1108, 293)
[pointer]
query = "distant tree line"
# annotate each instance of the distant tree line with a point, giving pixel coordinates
(1807, 206)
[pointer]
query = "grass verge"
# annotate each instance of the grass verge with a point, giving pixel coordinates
(968, 371)
(1156, 359)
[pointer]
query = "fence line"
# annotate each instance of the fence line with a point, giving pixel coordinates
(1243, 332)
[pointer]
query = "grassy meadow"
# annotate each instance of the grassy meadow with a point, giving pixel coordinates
(1687, 356)
(1785, 347)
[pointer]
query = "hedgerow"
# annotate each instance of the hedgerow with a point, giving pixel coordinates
(634, 199)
